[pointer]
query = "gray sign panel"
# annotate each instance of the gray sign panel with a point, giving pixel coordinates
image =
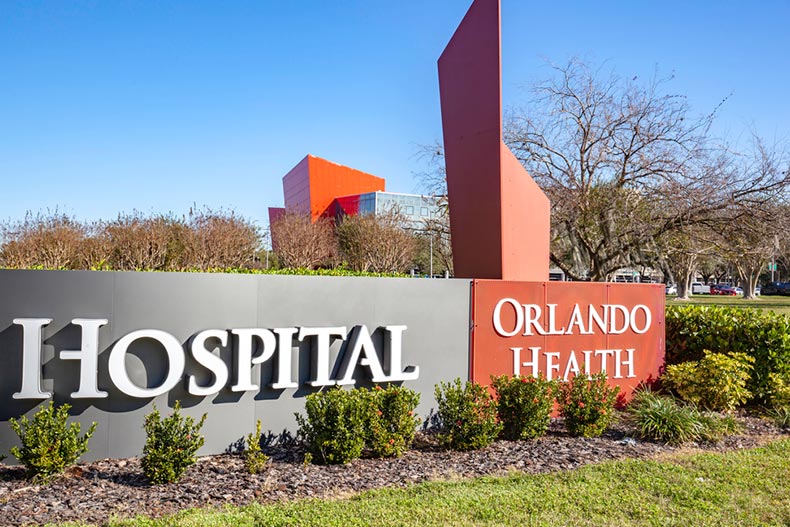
(239, 309)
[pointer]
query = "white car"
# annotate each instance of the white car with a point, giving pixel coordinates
(671, 289)
(698, 288)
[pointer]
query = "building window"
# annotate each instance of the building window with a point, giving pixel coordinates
(423, 211)
(409, 210)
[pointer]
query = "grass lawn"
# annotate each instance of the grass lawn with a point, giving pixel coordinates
(778, 304)
(737, 488)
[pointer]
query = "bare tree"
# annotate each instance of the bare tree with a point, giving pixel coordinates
(377, 243)
(748, 244)
(781, 251)
(437, 231)
(684, 249)
(140, 242)
(131, 242)
(219, 239)
(628, 171)
(433, 179)
(94, 251)
(298, 242)
(748, 234)
(622, 163)
(433, 182)
(48, 240)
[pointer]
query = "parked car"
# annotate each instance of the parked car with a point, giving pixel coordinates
(671, 289)
(722, 289)
(698, 288)
(776, 288)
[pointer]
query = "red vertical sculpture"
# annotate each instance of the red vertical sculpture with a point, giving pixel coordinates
(499, 217)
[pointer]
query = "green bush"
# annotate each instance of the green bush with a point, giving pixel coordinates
(170, 445)
(524, 405)
(49, 445)
(780, 416)
(390, 422)
(468, 415)
(587, 405)
(715, 382)
(663, 418)
(765, 336)
(254, 458)
(715, 426)
(333, 429)
(778, 391)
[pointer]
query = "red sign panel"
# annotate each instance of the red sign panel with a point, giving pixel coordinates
(562, 328)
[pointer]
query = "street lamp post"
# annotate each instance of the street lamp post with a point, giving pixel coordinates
(431, 257)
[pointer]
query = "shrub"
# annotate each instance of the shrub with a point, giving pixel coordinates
(524, 405)
(765, 336)
(468, 415)
(778, 390)
(587, 405)
(715, 427)
(661, 418)
(390, 423)
(254, 458)
(379, 243)
(715, 382)
(664, 418)
(780, 416)
(170, 445)
(333, 429)
(49, 445)
(299, 242)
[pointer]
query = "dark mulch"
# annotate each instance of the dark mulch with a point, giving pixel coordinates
(94, 492)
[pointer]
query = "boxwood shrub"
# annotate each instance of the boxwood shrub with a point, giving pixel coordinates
(765, 336)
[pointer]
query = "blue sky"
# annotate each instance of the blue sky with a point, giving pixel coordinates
(109, 106)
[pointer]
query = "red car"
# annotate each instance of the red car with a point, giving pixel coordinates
(723, 289)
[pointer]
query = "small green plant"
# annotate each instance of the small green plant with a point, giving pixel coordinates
(780, 416)
(254, 458)
(333, 429)
(524, 405)
(664, 418)
(587, 405)
(49, 444)
(715, 382)
(391, 422)
(468, 415)
(715, 426)
(170, 446)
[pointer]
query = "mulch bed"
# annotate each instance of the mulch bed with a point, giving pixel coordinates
(94, 492)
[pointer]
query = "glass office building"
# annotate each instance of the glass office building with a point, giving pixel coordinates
(414, 208)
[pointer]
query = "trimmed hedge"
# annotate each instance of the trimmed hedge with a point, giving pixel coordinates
(290, 271)
(765, 336)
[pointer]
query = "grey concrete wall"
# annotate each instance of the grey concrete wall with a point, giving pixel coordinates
(437, 340)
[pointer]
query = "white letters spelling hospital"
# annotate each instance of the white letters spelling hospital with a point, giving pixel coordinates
(275, 345)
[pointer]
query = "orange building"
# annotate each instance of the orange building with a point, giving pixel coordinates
(314, 183)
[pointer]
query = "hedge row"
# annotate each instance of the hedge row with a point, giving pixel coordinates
(764, 336)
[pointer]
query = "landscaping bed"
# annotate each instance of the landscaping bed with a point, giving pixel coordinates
(95, 492)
